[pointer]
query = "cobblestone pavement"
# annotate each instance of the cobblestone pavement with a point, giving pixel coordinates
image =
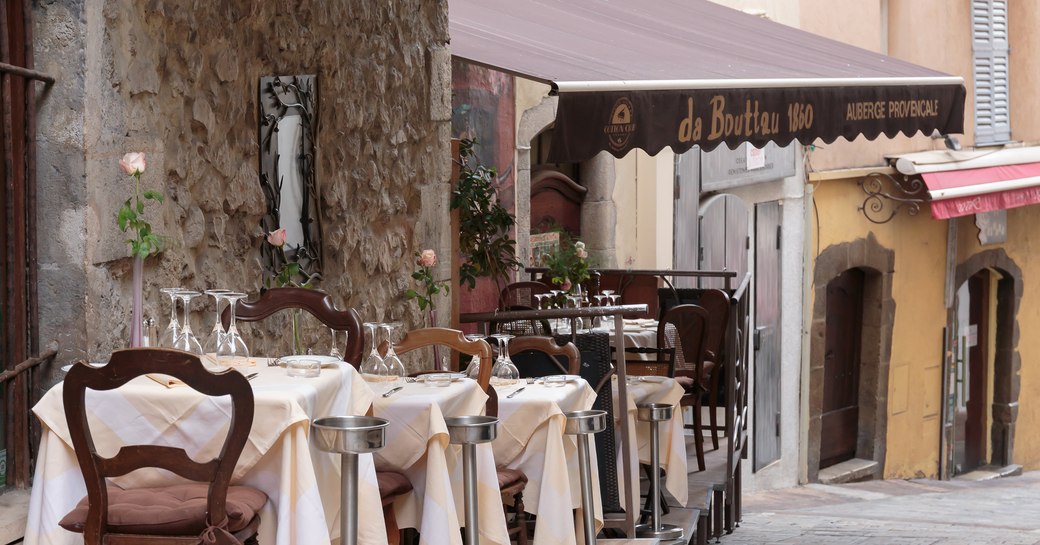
(918, 512)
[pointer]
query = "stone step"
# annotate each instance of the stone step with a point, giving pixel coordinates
(856, 469)
(986, 473)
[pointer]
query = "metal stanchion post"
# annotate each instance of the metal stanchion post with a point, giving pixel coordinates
(583, 424)
(349, 436)
(655, 413)
(469, 431)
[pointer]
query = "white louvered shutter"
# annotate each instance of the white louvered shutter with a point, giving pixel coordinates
(989, 30)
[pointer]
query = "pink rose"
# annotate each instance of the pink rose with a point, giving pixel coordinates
(566, 285)
(581, 253)
(428, 258)
(132, 163)
(276, 238)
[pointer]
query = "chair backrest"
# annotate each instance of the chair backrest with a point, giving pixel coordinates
(640, 360)
(685, 328)
(317, 302)
(537, 356)
(522, 294)
(121, 368)
(521, 328)
(456, 340)
(717, 303)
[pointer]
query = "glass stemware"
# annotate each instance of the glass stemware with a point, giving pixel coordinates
(504, 371)
(373, 369)
(395, 370)
(540, 297)
(608, 294)
(186, 339)
(473, 369)
(216, 335)
(233, 346)
(334, 351)
(173, 328)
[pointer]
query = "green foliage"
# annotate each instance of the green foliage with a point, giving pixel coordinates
(568, 265)
(485, 244)
(424, 277)
(290, 274)
(131, 218)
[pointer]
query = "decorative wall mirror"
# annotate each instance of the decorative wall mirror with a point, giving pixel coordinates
(288, 119)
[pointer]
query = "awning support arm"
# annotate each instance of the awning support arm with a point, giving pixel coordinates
(887, 194)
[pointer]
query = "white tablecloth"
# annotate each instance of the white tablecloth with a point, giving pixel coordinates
(531, 439)
(417, 446)
(301, 482)
(641, 333)
(671, 442)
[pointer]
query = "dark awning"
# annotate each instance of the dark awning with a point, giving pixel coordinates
(655, 73)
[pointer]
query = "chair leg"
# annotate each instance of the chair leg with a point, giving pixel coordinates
(521, 518)
(393, 533)
(713, 405)
(698, 433)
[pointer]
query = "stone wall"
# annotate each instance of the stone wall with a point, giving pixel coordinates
(179, 82)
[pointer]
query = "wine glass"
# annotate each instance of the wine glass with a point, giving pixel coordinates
(334, 351)
(173, 328)
(473, 369)
(608, 294)
(186, 340)
(504, 371)
(540, 297)
(215, 336)
(373, 369)
(395, 370)
(233, 346)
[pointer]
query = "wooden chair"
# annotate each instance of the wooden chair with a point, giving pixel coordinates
(717, 303)
(511, 482)
(208, 510)
(521, 328)
(684, 328)
(522, 294)
(537, 356)
(317, 302)
(644, 361)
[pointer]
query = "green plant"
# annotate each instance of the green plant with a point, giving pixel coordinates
(290, 274)
(427, 259)
(568, 265)
(485, 244)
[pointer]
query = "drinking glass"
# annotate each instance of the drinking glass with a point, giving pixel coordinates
(186, 340)
(504, 372)
(540, 297)
(395, 370)
(234, 346)
(303, 367)
(473, 370)
(608, 294)
(216, 336)
(373, 369)
(334, 351)
(173, 328)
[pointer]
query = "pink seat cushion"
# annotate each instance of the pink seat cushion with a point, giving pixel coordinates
(178, 510)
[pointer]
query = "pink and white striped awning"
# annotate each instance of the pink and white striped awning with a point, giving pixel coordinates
(964, 192)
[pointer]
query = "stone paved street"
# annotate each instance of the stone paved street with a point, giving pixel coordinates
(919, 512)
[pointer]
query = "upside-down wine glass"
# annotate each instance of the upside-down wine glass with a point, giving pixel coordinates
(504, 371)
(373, 369)
(186, 339)
(173, 328)
(334, 351)
(395, 370)
(216, 335)
(473, 369)
(234, 346)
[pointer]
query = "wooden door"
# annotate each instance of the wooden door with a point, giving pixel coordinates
(767, 334)
(975, 420)
(723, 238)
(840, 414)
(685, 238)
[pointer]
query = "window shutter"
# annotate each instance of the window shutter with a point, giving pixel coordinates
(990, 51)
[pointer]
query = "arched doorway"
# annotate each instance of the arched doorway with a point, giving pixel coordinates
(983, 373)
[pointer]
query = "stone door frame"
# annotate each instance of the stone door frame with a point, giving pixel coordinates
(877, 262)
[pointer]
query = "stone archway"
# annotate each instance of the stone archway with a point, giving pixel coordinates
(877, 262)
(1007, 363)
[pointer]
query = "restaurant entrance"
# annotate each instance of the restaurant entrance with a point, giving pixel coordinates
(973, 373)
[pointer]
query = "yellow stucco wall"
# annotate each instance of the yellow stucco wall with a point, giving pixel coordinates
(915, 371)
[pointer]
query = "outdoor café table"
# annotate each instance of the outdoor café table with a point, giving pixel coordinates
(531, 438)
(301, 482)
(417, 446)
(672, 441)
(638, 333)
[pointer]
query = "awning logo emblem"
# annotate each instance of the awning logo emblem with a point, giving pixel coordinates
(619, 130)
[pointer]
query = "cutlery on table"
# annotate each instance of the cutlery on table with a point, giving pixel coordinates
(517, 391)
(251, 376)
(391, 391)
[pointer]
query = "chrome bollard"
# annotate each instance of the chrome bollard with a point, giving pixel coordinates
(583, 424)
(655, 413)
(468, 431)
(349, 436)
